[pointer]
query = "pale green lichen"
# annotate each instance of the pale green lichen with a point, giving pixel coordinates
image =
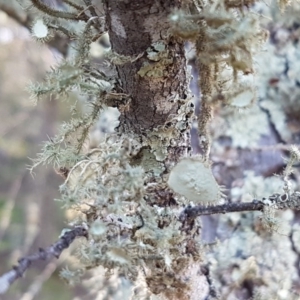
(230, 261)
(98, 228)
(257, 187)
(150, 163)
(245, 128)
(159, 60)
(279, 70)
(192, 178)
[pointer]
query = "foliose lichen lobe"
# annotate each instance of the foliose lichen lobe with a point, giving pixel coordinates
(192, 178)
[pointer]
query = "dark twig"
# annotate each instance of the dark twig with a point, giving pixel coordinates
(93, 13)
(278, 201)
(74, 5)
(55, 250)
(91, 8)
(48, 10)
(213, 294)
(193, 212)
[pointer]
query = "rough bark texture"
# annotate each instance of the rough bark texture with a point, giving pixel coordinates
(158, 114)
(154, 84)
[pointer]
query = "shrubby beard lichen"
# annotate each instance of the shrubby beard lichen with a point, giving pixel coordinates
(125, 189)
(126, 233)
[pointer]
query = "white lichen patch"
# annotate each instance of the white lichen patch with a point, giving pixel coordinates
(257, 187)
(246, 128)
(243, 99)
(40, 30)
(193, 179)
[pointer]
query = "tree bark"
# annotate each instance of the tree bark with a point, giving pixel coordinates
(159, 111)
(157, 80)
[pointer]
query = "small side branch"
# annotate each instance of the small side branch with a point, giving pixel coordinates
(90, 7)
(213, 294)
(193, 212)
(276, 201)
(93, 13)
(55, 250)
(57, 13)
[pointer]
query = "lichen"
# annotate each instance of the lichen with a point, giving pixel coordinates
(159, 59)
(192, 178)
(245, 128)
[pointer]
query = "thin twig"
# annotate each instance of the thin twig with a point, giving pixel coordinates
(277, 201)
(213, 294)
(50, 268)
(74, 5)
(57, 13)
(55, 250)
(278, 147)
(196, 211)
(92, 10)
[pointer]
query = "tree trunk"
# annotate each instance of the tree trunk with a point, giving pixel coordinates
(158, 113)
(157, 80)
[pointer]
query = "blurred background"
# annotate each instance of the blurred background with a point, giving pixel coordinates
(29, 218)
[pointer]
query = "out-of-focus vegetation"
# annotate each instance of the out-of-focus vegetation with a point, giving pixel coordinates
(29, 218)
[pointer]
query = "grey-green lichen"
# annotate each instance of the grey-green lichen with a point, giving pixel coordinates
(278, 77)
(125, 232)
(245, 128)
(192, 178)
(272, 272)
(159, 59)
(249, 255)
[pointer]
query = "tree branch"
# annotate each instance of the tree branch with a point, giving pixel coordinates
(196, 211)
(54, 12)
(278, 201)
(55, 250)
